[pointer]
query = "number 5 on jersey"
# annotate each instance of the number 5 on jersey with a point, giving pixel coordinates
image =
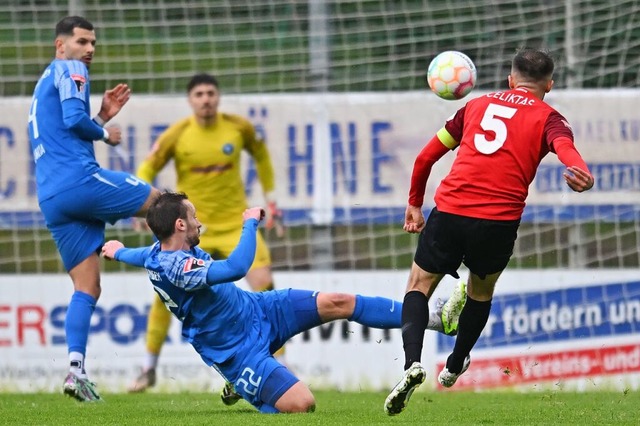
(491, 121)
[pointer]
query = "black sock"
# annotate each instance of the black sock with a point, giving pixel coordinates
(473, 318)
(415, 317)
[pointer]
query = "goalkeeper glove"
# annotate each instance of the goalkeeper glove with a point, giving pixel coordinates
(274, 219)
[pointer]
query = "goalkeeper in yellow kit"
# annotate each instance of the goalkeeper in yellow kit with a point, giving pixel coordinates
(206, 149)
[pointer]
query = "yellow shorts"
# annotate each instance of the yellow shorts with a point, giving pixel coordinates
(220, 245)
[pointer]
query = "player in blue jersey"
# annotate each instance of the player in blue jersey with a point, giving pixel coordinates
(237, 331)
(77, 197)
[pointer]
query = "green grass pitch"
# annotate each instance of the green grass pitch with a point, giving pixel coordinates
(333, 408)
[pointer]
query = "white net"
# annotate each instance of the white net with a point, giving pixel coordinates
(260, 50)
(276, 46)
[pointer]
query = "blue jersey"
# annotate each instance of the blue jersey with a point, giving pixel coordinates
(64, 155)
(233, 330)
(215, 314)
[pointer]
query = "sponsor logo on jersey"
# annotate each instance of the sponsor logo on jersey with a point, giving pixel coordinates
(227, 148)
(79, 80)
(193, 264)
(153, 275)
(214, 168)
(567, 125)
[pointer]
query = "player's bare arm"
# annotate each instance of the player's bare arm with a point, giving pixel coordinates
(113, 101)
(413, 219)
(110, 248)
(578, 179)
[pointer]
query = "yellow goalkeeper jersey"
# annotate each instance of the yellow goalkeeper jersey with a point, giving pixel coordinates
(207, 161)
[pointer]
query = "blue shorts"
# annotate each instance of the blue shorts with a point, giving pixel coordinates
(76, 217)
(254, 372)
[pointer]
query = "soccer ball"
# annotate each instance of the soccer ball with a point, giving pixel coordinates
(451, 75)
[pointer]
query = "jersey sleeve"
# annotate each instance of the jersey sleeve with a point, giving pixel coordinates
(75, 118)
(239, 261)
(201, 254)
(556, 127)
(193, 271)
(256, 146)
(71, 78)
(185, 270)
(162, 151)
(437, 147)
(568, 154)
(133, 256)
(455, 126)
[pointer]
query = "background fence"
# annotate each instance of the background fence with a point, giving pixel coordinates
(338, 88)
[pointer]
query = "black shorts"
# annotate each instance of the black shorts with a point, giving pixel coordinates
(447, 240)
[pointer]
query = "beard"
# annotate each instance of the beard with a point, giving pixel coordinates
(193, 240)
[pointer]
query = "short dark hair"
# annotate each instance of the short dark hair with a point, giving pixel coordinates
(202, 78)
(533, 64)
(66, 25)
(164, 211)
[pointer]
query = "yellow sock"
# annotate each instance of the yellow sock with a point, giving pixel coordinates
(157, 326)
(268, 287)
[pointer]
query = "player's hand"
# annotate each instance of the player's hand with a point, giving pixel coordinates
(110, 248)
(256, 213)
(274, 219)
(578, 179)
(115, 135)
(413, 219)
(113, 101)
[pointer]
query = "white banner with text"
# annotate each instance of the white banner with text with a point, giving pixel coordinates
(548, 328)
(357, 149)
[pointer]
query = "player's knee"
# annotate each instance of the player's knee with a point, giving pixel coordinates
(302, 404)
(89, 287)
(298, 399)
(343, 301)
(333, 306)
(153, 195)
(481, 289)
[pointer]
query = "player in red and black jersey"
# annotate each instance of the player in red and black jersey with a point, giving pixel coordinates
(501, 139)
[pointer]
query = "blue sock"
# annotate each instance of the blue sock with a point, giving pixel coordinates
(268, 409)
(78, 320)
(377, 312)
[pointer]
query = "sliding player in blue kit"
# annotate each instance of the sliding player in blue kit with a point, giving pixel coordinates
(234, 330)
(77, 197)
